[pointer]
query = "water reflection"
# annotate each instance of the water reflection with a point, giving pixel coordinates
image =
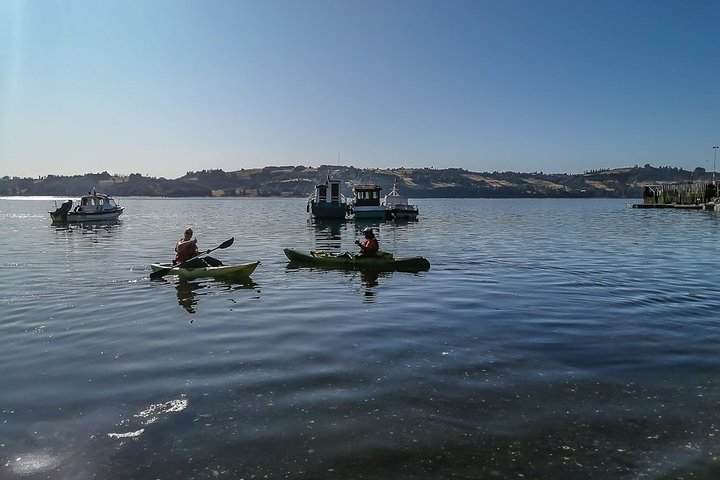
(187, 298)
(361, 223)
(188, 291)
(368, 280)
(87, 227)
(328, 234)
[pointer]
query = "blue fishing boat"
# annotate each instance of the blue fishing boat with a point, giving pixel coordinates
(326, 202)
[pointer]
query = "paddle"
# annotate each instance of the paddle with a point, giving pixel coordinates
(165, 271)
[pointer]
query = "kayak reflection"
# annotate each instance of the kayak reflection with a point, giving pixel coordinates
(369, 278)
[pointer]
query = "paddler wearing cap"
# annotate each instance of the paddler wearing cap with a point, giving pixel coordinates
(370, 246)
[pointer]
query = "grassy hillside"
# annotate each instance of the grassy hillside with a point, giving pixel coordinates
(298, 181)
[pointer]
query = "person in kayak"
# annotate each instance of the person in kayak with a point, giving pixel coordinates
(370, 246)
(186, 248)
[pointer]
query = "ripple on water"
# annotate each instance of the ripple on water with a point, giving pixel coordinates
(549, 339)
(31, 463)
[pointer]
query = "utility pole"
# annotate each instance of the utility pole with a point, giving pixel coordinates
(715, 149)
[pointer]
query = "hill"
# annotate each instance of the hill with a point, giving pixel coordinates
(298, 181)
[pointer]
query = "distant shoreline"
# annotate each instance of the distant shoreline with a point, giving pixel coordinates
(299, 182)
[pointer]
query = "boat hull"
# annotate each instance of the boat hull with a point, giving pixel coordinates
(329, 211)
(354, 262)
(77, 217)
(369, 212)
(243, 269)
(403, 212)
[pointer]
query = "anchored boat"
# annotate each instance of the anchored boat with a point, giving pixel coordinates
(383, 261)
(366, 202)
(397, 206)
(91, 207)
(242, 269)
(326, 202)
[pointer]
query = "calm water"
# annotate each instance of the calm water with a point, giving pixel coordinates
(558, 339)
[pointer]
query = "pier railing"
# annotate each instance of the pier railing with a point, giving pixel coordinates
(687, 193)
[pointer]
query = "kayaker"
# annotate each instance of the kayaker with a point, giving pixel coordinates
(369, 247)
(186, 248)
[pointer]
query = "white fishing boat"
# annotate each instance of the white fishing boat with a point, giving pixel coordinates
(89, 208)
(398, 207)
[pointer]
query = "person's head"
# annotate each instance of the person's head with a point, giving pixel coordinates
(188, 233)
(368, 231)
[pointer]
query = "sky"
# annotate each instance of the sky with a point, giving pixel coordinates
(164, 87)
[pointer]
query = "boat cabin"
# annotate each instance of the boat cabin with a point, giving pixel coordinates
(394, 198)
(96, 202)
(328, 192)
(366, 195)
(366, 202)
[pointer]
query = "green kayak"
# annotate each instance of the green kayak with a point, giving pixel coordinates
(383, 261)
(242, 269)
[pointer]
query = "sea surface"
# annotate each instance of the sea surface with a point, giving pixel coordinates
(550, 339)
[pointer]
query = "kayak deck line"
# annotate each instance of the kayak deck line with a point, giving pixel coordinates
(323, 254)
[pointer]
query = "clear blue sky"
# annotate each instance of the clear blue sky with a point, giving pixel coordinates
(162, 87)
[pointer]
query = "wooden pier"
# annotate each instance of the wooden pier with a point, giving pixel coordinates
(683, 196)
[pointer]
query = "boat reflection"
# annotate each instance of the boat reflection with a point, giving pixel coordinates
(328, 233)
(87, 227)
(363, 223)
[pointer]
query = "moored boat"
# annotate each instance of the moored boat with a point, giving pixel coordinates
(90, 208)
(383, 261)
(398, 207)
(326, 202)
(366, 202)
(242, 269)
